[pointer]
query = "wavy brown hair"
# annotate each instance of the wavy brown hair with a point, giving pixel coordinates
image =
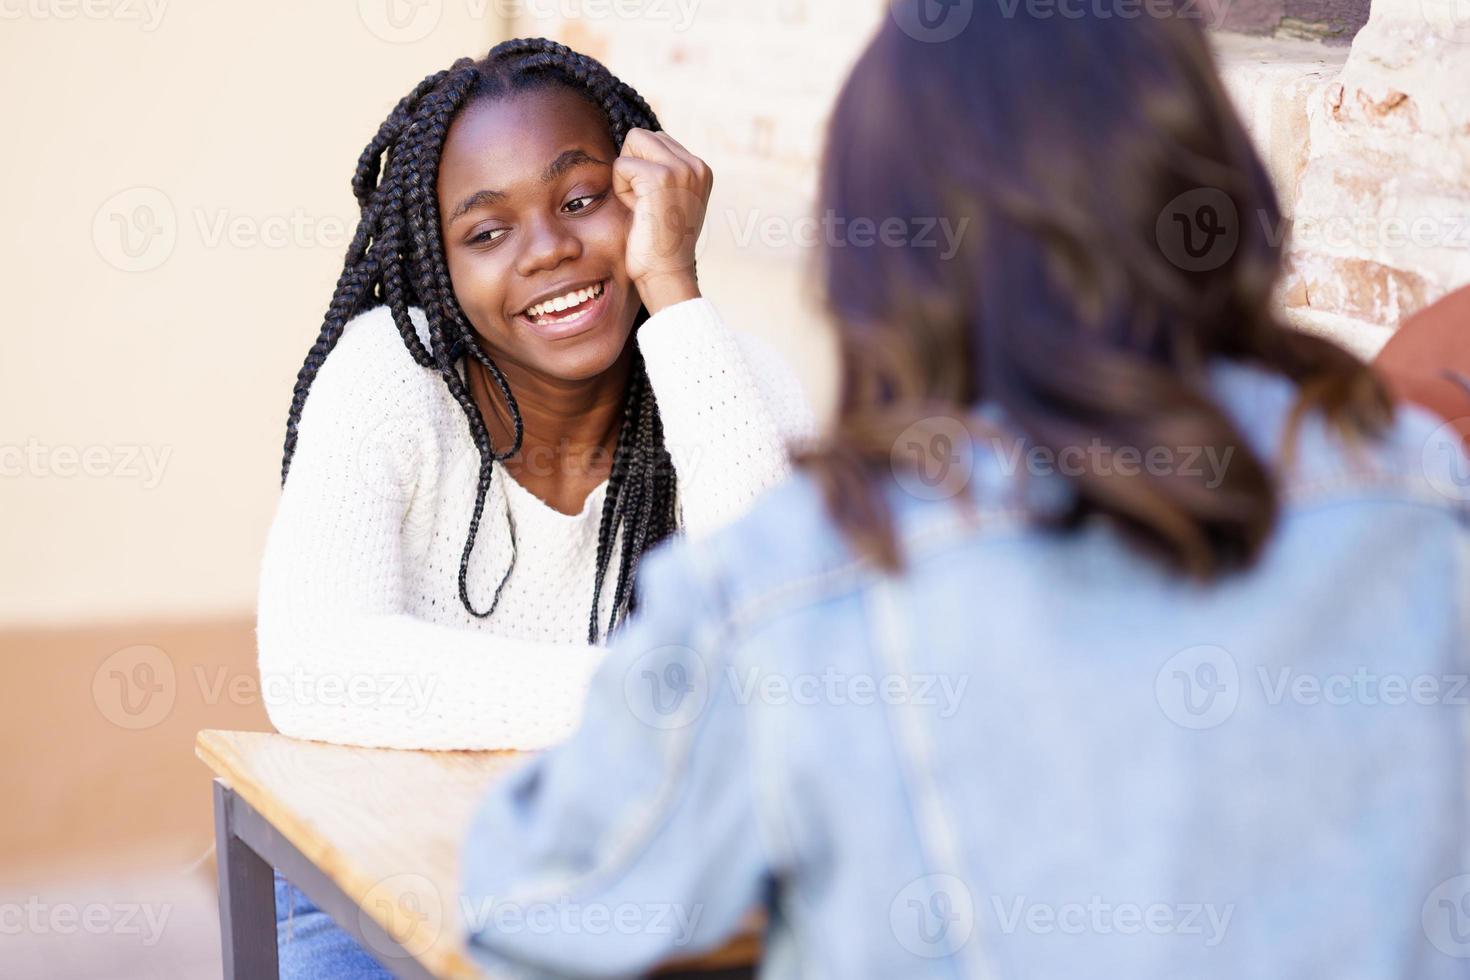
(1060, 146)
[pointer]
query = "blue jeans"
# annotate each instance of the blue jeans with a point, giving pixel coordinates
(313, 947)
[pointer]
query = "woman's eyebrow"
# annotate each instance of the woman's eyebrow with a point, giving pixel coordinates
(476, 200)
(567, 160)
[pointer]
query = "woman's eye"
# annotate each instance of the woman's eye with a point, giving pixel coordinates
(488, 237)
(581, 203)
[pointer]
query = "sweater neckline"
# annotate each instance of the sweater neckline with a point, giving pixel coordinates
(526, 501)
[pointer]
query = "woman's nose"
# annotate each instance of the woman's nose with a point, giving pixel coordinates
(546, 245)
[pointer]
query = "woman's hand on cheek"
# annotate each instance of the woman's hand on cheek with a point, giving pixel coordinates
(667, 189)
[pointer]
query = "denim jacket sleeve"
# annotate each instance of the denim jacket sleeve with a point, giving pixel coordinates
(636, 840)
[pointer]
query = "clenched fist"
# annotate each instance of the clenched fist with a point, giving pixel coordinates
(667, 190)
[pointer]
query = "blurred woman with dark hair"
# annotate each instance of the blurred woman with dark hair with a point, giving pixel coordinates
(1114, 629)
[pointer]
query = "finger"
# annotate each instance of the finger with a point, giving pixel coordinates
(704, 177)
(680, 153)
(643, 144)
(633, 177)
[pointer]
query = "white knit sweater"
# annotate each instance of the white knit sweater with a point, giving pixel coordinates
(362, 636)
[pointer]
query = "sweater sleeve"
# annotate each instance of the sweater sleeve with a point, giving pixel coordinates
(340, 658)
(731, 408)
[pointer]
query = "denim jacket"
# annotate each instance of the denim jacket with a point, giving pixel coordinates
(1034, 754)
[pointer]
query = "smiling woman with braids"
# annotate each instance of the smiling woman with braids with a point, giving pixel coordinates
(504, 410)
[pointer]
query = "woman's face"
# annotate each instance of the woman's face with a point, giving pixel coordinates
(528, 218)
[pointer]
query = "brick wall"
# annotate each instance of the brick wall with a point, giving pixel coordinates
(1369, 146)
(1371, 150)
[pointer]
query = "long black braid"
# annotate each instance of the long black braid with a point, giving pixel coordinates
(396, 258)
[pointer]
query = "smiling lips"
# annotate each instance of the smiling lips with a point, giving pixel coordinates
(567, 308)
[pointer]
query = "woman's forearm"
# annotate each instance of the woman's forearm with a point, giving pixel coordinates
(726, 425)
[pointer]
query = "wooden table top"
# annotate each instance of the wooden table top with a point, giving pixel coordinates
(386, 827)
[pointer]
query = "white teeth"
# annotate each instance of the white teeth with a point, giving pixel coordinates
(564, 302)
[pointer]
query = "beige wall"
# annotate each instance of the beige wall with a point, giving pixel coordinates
(177, 204)
(142, 396)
